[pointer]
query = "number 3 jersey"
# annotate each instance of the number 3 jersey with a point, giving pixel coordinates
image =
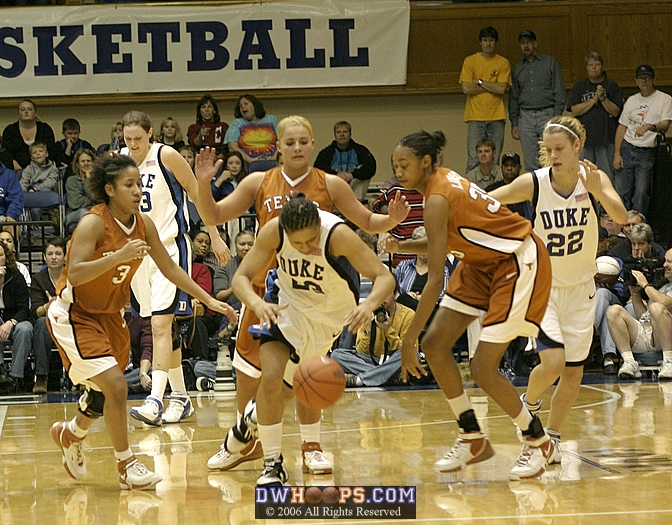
(109, 292)
(568, 227)
(320, 286)
(481, 231)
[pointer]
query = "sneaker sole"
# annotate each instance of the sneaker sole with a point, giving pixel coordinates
(485, 455)
(256, 452)
(145, 486)
(56, 436)
(306, 470)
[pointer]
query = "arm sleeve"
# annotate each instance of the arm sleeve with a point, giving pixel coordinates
(367, 164)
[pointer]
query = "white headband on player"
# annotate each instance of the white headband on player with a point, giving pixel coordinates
(563, 127)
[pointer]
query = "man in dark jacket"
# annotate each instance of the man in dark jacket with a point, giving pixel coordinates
(352, 162)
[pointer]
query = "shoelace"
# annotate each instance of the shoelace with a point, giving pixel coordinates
(525, 456)
(457, 446)
(78, 450)
(138, 467)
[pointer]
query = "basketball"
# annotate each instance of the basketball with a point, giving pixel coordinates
(318, 382)
(608, 271)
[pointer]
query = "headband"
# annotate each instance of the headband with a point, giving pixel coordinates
(563, 127)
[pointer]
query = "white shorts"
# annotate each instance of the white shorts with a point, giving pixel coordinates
(155, 293)
(644, 342)
(568, 321)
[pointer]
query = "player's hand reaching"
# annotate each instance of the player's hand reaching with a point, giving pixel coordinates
(388, 244)
(269, 313)
(398, 208)
(134, 249)
(206, 165)
(223, 308)
(592, 179)
(410, 364)
(221, 250)
(359, 318)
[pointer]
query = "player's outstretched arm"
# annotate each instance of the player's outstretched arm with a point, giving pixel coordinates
(254, 263)
(356, 212)
(178, 276)
(520, 190)
(346, 243)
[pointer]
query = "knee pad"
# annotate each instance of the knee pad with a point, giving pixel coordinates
(91, 403)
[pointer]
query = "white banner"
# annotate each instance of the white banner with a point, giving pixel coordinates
(143, 49)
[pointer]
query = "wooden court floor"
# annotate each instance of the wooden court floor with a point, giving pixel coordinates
(616, 469)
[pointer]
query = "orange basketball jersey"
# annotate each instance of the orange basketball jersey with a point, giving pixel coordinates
(109, 292)
(275, 190)
(481, 231)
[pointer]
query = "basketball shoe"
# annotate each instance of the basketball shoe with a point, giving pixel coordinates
(629, 370)
(71, 448)
(534, 457)
(469, 448)
(134, 475)
(179, 408)
(274, 473)
(314, 460)
(149, 412)
(241, 444)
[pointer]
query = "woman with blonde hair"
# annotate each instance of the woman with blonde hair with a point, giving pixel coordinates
(563, 193)
(171, 134)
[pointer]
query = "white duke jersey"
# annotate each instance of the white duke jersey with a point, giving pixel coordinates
(163, 197)
(323, 288)
(568, 226)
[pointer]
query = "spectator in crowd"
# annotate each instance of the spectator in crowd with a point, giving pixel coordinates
(15, 325)
(40, 175)
(17, 137)
(644, 115)
(253, 134)
(487, 172)
(227, 179)
(202, 324)
(511, 169)
(42, 294)
(623, 250)
(11, 195)
(140, 331)
(412, 274)
(116, 139)
(79, 198)
(189, 154)
(171, 134)
(537, 94)
(610, 289)
(597, 102)
(7, 237)
(349, 160)
(70, 144)
(208, 130)
(614, 229)
(376, 358)
(649, 329)
(485, 77)
(224, 276)
(405, 228)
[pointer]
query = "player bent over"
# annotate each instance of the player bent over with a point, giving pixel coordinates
(319, 261)
(505, 273)
(86, 318)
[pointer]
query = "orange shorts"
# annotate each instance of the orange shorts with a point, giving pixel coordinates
(513, 293)
(246, 358)
(88, 343)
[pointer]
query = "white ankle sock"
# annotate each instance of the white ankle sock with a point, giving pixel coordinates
(176, 378)
(159, 381)
(271, 440)
(123, 455)
(73, 427)
(310, 433)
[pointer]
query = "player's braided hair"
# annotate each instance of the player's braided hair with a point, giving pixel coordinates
(425, 143)
(106, 169)
(299, 213)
